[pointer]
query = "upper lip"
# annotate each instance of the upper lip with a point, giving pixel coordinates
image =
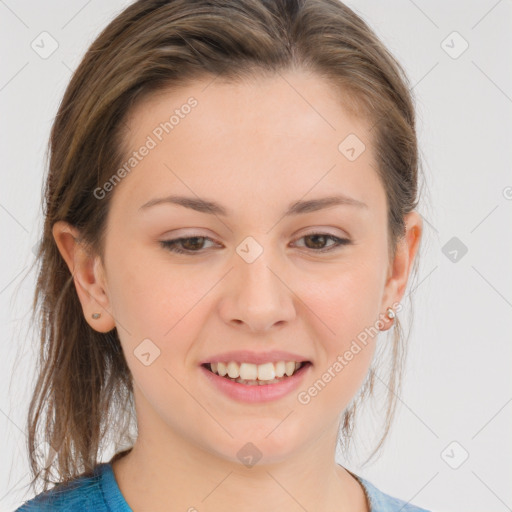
(246, 356)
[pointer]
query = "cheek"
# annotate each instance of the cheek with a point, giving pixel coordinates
(155, 311)
(347, 301)
(344, 311)
(149, 295)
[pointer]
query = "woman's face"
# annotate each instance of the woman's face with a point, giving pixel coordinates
(256, 278)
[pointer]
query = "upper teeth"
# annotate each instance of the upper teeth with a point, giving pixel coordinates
(249, 371)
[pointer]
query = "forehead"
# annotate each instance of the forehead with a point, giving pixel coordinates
(283, 135)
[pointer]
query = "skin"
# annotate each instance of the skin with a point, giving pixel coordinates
(255, 148)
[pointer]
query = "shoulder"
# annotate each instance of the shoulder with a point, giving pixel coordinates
(382, 502)
(84, 493)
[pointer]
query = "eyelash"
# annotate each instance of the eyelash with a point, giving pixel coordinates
(172, 245)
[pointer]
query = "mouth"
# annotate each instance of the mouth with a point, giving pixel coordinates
(255, 383)
(250, 374)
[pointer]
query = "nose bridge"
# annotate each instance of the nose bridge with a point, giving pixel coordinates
(257, 270)
(261, 298)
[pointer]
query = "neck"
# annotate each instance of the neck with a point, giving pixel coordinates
(178, 476)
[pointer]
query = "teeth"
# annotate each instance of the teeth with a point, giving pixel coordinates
(289, 368)
(221, 369)
(255, 373)
(233, 370)
(280, 368)
(266, 371)
(249, 372)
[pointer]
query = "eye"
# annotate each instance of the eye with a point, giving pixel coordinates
(319, 240)
(192, 242)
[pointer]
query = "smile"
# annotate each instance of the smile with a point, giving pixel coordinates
(266, 381)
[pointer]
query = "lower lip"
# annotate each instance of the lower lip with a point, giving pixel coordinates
(255, 394)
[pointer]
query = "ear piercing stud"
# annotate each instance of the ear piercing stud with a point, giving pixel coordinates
(390, 313)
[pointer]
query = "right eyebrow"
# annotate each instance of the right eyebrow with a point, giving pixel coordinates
(295, 208)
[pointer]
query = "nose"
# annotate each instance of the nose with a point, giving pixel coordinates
(256, 296)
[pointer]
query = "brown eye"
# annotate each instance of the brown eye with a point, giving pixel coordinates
(317, 242)
(190, 245)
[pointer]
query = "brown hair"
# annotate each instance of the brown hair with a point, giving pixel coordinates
(83, 390)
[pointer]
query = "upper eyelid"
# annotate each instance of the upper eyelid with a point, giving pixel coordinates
(335, 238)
(311, 231)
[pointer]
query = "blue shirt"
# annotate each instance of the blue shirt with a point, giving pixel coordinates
(100, 493)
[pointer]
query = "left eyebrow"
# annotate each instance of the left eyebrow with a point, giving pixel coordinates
(295, 208)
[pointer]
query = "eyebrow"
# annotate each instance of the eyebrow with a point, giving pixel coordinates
(296, 208)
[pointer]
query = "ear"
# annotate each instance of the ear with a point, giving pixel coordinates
(88, 276)
(402, 264)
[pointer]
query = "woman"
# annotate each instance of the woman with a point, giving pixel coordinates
(230, 222)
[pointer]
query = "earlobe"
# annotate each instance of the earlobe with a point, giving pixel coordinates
(403, 263)
(88, 277)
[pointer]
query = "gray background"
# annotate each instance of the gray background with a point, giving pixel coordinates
(456, 400)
